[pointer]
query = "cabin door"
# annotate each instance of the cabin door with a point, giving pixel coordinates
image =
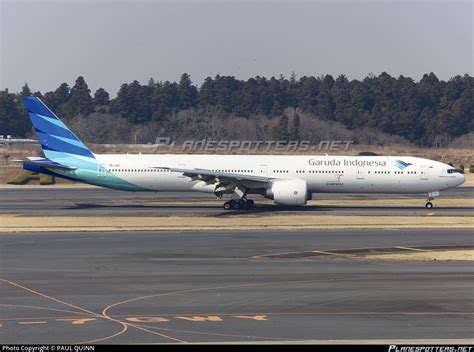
(424, 173)
(101, 170)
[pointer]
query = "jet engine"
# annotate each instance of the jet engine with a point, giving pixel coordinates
(288, 192)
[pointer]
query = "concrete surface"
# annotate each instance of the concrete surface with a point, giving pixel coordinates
(159, 287)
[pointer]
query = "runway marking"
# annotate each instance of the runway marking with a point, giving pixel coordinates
(38, 307)
(140, 327)
(44, 318)
(200, 318)
(146, 328)
(218, 334)
(76, 321)
(359, 255)
(218, 317)
(147, 319)
(124, 326)
(106, 309)
(272, 254)
(264, 314)
(392, 277)
(413, 249)
(266, 338)
(48, 297)
(336, 254)
(254, 317)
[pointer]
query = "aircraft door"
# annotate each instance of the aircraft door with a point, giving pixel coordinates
(263, 170)
(101, 170)
(360, 173)
(423, 172)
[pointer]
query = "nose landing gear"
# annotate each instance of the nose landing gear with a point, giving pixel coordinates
(431, 196)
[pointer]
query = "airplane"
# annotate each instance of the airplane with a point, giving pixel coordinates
(285, 179)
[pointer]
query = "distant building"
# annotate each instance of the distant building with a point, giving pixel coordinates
(7, 140)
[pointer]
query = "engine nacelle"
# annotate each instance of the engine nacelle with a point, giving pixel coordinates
(288, 192)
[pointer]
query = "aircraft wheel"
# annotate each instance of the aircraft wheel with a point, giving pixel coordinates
(249, 204)
(428, 205)
(237, 204)
(227, 206)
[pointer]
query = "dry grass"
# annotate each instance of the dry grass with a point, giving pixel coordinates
(456, 156)
(427, 256)
(469, 180)
(396, 202)
(12, 223)
(447, 155)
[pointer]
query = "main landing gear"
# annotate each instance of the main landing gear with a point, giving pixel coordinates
(242, 203)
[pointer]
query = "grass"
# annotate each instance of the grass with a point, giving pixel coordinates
(15, 223)
(427, 256)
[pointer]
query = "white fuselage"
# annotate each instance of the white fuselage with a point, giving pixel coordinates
(323, 174)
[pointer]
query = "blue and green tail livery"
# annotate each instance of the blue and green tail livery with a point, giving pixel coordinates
(66, 155)
(59, 143)
(52, 133)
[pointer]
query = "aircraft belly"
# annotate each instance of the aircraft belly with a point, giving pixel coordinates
(372, 186)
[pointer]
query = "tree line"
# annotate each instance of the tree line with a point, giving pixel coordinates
(423, 112)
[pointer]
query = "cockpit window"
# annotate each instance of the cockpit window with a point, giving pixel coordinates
(452, 171)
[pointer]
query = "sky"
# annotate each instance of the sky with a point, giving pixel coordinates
(110, 42)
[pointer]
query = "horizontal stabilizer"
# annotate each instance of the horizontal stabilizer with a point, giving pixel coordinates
(46, 163)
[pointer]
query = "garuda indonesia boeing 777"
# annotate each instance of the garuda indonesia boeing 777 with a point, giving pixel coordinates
(286, 179)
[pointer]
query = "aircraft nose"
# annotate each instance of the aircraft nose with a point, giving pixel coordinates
(461, 179)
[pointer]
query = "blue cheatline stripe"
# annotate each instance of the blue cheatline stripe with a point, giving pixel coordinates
(49, 128)
(51, 143)
(46, 136)
(75, 142)
(56, 121)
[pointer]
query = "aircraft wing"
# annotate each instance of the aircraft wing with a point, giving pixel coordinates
(211, 177)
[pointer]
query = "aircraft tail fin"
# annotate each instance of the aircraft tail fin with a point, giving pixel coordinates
(56, 139)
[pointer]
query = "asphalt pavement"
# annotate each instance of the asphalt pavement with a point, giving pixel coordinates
(174, 287)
